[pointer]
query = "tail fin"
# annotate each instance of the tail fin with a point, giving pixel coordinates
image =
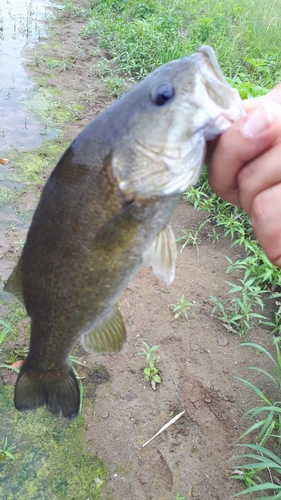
(58, 390)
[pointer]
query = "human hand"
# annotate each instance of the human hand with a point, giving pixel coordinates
(245, 168)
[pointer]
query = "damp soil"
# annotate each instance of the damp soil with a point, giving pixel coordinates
(199, 359)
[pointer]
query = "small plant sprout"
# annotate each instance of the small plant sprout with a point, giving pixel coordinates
(18, 245)
(178, 497)
(237, 312)
(6, 329)
(191, 236)
(5, 452)
(181, 307)
(151, 373)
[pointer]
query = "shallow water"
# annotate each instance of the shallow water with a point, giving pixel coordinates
(21, 25)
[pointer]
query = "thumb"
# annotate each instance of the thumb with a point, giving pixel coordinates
(241, 143)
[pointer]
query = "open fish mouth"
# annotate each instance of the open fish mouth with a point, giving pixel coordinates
(211, 62)
(213, 94)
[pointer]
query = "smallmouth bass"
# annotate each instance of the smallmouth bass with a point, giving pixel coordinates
(104, 211)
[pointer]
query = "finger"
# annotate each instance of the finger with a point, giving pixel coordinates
(273, 95)
(247, 138)
(259, 175)
(266, 221)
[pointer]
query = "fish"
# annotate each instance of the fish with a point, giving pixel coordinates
(105, 211)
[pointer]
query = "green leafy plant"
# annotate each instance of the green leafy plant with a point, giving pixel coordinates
(18, 245)
(151, 372)
(5, 452)
(267, 426)
(238, 312)
(191, 236)
(116, 85)
(181, 307)
(259, 275)
(16, 354)
(7, 328)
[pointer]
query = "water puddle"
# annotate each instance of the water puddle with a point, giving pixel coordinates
(21, 25)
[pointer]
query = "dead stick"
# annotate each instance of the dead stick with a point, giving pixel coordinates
(165, 427)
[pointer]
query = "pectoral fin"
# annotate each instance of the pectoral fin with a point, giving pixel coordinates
(13, 284)
(161, 256)
(108, 336)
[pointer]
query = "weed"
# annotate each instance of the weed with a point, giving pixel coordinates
(101, 68)
(181, 307)
(88, 95)
(178, 497)
(12, 231)
(238, 312)
(74, 110)
(63, 64)
(73, 359)
(259, 274)
(7, 328)
(143, 35)
(16, 355)
(116, 85)
(151, 373)
(10, 367)
(18, 244)
(190, 237)
(268, 425)
(38, 60)
(5, 452)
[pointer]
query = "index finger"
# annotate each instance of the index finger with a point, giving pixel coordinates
(273, 95)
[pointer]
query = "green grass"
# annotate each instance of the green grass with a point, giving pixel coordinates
(257, 278)
(260, 468)
(143, 35)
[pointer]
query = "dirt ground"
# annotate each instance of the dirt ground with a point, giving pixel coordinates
(199, 360)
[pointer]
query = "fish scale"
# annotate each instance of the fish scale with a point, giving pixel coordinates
(104, 211)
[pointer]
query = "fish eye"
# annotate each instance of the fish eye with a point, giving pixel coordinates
(162, 94)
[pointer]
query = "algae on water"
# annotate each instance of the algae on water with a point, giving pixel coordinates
(6, 195)
(51, 461)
